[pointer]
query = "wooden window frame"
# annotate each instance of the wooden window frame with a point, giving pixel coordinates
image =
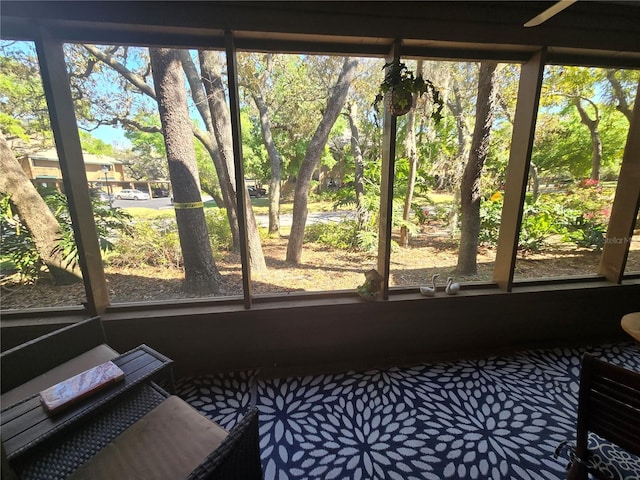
(53, 70)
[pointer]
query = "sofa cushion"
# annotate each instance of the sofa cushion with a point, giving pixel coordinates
(167, 443)
(91, 358)
(611, 460)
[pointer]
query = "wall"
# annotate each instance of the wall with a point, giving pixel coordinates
(294, 337)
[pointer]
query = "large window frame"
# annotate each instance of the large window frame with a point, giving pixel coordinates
(50, 38)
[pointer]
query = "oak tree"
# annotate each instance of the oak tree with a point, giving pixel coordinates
(470, 186)
(201, 273)
(312, 156)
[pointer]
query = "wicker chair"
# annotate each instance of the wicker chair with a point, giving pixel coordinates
(145, 434)
(238, 457)
(59, 456)
(49, 359)
(175, 441)
(609, 407)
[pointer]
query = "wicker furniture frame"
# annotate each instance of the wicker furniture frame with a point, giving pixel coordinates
(24, 362)
(56, 457)
(609, 406)
(238, 457)
(26, 424)
(59, 456)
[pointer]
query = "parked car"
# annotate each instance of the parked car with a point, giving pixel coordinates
(132, 194)
(160, 192)
(256, 192)
(100, 195)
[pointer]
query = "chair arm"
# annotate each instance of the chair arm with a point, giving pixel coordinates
(24, 362)
(238, 456)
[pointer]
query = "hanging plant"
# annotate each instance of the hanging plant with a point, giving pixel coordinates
(398, 88)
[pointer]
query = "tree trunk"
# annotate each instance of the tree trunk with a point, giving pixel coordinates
(535, 180)
(276, 166)
(470, 186)
(412, 156)
(622, 106)
(212, 79)
(312, 157)
(462, 133)
(217, 197)
(201, 274)
(36, 215)
(218, 126)
(359, 164)
(209, 141)
(596, 141)
(215, 116)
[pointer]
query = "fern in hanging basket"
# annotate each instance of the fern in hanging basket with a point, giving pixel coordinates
(398, 88)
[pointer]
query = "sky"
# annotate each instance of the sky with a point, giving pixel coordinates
(112, 135)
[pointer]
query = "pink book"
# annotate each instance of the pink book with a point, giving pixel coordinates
(61, 395)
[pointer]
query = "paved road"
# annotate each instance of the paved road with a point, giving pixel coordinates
(263, 220)
(155, 203)
(314, 217)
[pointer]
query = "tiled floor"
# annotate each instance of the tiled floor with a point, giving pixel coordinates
(496, 418)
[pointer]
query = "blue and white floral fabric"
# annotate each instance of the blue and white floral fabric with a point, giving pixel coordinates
(496, 418)
(611, 460)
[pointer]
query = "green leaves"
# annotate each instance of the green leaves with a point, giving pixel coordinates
(402, 83)
(580, 218)
(538, 223)
(94, 145)
(563, 141)
(19, 247)
(23, 109)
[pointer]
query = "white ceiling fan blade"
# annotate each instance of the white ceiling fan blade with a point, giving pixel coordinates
(549, 12)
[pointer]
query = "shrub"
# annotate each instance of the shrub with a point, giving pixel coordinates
(367, 241)
(588, 183)
(152, 243)
(18, 245)
(580, 218)
(422, 215)
(490, 216)
(583, 217)
(586, 231)
(342, 235)
(157, 242)
(538, 223)
(110, 222)
(365, 236)
(218, 229)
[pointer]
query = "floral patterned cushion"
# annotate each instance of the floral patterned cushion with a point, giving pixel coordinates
(613, 461)
(606, 460)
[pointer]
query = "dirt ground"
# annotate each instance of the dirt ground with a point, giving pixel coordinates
(322, 269)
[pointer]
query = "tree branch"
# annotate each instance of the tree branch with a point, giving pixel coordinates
(197, 89)
(137, 81)
(623, 105)
(137, 125)
(584, 116)
(132, 77)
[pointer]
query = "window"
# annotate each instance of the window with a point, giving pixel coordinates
(37, 246)
(152, 242)
(288, 103)
(428, 241)
(187, 239)
(633, 260)
(578, 149)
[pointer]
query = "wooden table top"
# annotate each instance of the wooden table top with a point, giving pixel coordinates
(631, 324)
(27, 424)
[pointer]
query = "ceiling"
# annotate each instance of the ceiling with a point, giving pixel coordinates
(597, 32)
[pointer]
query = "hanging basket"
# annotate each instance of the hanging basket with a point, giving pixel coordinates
(399, 102)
